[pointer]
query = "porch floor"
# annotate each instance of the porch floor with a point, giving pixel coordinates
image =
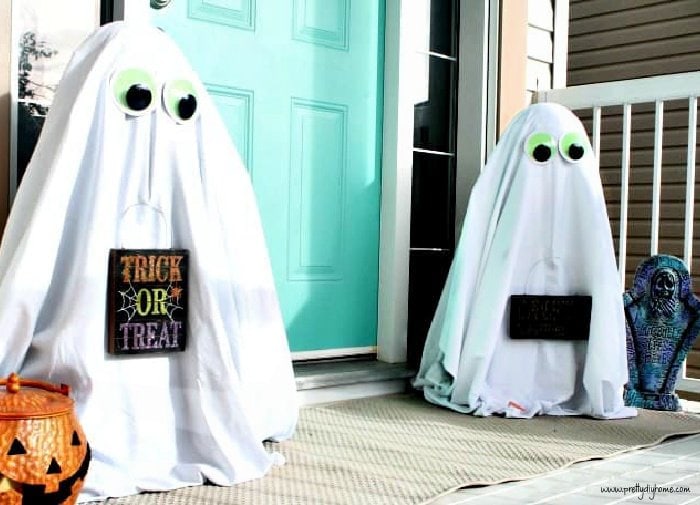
(675, 462)
(672, 463)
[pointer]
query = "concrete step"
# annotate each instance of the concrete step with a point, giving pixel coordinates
(329, 381)
(337, 380)
(688, 389)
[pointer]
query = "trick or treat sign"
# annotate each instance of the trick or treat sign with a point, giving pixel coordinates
(147, 300)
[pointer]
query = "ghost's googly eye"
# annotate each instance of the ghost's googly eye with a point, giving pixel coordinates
(134, 90)
(180, 100)
(573, 147)
(540, 147)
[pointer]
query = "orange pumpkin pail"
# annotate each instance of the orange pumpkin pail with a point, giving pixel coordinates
(44, 455)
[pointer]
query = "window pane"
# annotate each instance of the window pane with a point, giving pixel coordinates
(432, 201)
(443, 33)
(434, 117)
(427, 274)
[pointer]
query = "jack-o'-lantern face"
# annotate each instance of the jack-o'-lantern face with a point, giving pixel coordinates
(43, 457)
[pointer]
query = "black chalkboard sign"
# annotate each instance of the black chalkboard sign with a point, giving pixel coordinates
(550, 317)
(147, 300)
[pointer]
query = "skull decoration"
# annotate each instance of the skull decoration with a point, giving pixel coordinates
(44, 455)
(664, 283)
(663, 297)
(663, 323)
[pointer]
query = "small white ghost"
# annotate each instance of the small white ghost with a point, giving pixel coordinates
(134, 155)
(536, 225)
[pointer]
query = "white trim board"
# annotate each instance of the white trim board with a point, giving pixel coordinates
(689, 385)
(476, 96)
(642, 90)
(560, 43)
(14, 94)
(397, 162)
(131, 10)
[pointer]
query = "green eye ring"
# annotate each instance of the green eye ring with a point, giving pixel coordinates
(180, 100)
(573, 147)
(540, 147)
(134, 91)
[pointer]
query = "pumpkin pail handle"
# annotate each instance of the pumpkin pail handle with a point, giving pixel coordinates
(13, 384)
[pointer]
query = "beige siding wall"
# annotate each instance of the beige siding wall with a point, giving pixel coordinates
(512, 61)
(624, 39)
(526, 54)
(627, 39)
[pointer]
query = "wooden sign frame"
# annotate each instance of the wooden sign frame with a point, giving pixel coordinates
(147, 300)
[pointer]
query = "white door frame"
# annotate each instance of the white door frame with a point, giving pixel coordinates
(128, 10)
(475, 133)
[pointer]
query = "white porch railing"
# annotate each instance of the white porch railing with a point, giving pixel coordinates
(656, 90)
(626, 93)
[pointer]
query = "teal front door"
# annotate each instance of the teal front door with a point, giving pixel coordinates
(298, 83)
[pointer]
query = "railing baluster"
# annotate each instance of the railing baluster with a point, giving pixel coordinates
(690, 183)
(624, 189)
(656, 188)
(596, 132)
(690, 195)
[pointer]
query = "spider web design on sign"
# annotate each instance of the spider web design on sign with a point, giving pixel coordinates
(130, 301)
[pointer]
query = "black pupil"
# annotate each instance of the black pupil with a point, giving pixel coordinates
(541, 153)
(575, 151)
(138, 97)
(187, 106)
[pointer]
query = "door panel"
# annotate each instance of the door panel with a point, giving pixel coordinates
(318, 170)
(236, 108)
(297, 84)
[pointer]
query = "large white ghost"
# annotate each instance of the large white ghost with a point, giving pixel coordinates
(536, 224)
(134, 155)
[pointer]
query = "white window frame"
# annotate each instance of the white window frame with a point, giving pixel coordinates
(476, 134)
